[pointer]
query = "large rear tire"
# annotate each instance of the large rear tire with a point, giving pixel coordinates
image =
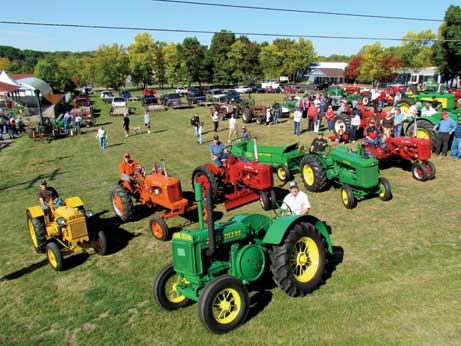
(223, 304)
(342, 120)
(313, 174)
(424, 130)
(165, 292)
(298, 264)
(204, 176)
(122, 202)
(37, 232)
(247, 117)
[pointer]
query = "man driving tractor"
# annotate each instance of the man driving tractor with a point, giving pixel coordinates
(129, 168)
(47, 196)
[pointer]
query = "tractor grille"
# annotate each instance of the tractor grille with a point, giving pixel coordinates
(174, 192)
(78, 229)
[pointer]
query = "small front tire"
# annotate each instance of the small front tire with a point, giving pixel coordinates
(101, 244)
(347, 197)
(159, 229)
(55, 258)
(418, 171)
(165, 291)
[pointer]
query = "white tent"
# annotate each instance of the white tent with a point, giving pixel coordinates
(4, 78)
(29, 84)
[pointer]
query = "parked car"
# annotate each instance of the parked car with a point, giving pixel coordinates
(125, 94)
(147, 100)
(146, 92)
(243, 89)
(182, 91)
(106, 96)
(232, 96)
(195, 95)
(256, 88)
(216, 95)
(118, 102)
(170, 99)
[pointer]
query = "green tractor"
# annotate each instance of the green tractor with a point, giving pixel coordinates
(358, 176)
(213, 266)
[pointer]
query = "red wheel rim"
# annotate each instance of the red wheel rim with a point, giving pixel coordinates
(117, 202)
(419, 172)
(428, 170)
(202, 179)
(156, 230)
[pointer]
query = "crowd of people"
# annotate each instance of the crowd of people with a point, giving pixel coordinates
(11, 125)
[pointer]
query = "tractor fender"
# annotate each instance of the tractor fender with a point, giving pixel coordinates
(36, 211)
(73, 202)
(276, 232)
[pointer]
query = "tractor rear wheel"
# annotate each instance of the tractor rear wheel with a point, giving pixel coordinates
(223, 304)
(247, 116)
(430, 170)
(424, 130)
(205, 177)
(54, 255)
(342, 120)
(418, 171)
(347, 197)
(298, 264)
(405, 105)
(264, 200)
(385, 186)
(122, 202)
(165, 290)
(273, 198)
(283, 173)
(159, 229)
(100, 244)
(313, 174)
(37, 232)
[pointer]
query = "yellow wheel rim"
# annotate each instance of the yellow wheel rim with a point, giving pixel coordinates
(281, 174)
(226, 306)
(404, 107)
(423, 133)
(171, 291)
(383, 190)
(345, 196)
(305, 259)
(308, 175)
(32, 233)
(52, 258)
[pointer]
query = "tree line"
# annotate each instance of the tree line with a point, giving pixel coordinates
(232, 60)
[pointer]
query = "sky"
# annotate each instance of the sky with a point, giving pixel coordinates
(152, 14)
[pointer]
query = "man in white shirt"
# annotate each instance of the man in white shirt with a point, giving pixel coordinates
(296, 201)
(413, 110)
(427, 110)
(232, 128)
(297, 116)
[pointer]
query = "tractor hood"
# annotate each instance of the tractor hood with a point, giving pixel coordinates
(344, 155)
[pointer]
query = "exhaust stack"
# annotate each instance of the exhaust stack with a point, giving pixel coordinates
(164, 168)
(211, 232)
(256, 150)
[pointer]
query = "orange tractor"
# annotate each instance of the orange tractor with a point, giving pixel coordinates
(157, 191)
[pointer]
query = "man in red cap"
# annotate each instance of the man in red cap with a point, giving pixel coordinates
(372, 134)
(445, 127)
(128, 168)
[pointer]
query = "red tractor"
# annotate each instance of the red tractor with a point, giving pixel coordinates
(157, 191)
(238, 182)
(414, 150)
(344, 119)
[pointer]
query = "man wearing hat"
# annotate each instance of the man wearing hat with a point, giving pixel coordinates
(47, 195)
(217, 151)
(296, 201)
(319, 144)
(245, 135)
(446, 126)
(456, 145)
(128, 168)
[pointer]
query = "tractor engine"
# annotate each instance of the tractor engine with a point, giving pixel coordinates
(412, 148)
(70, 223)
(251, 174)
(163, 187)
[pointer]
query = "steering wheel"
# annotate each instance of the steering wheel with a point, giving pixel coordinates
(280, 211)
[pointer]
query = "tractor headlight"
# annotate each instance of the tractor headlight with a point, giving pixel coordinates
(88, 213)
(60, 221)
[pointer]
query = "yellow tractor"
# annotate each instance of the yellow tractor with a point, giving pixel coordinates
(63, 230)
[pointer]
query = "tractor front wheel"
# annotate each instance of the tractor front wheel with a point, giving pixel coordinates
(298, 264)
(264, 200)
(347, 197)
(37, 233)
(430, 170)
(283, 173)
(313, 174)
(418, 171)
(273, 198)
(54, 255)
(122, 202)
(159, 229)
(385, 188)
(100, 244)
(165, 290)
(223, 304)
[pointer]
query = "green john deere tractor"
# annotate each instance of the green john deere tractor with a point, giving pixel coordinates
(214, 265)
(358, 176)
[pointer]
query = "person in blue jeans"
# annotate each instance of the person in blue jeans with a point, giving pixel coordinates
(445, 128)
(399, 118)
(48, 196)
(217, 151)
(456, 144)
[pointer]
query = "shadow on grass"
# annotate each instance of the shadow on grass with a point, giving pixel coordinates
(114, 145)
(23, 271)
(159, 131)
(258, 303)
(34, 181)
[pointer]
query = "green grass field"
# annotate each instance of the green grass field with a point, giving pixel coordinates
(399, 282)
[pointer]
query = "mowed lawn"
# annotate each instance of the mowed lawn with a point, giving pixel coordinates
(398, 284)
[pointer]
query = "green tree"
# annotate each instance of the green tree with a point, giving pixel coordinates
(243, 60)
(270, 60)
(369, 69)
(172, 64)
(111, 64)
(5, 63)
(449, 53)
(220, 47)
(159, 66)
(58, 71)
(142, 54)
(194, 58)
(416, 50)
(298, 57)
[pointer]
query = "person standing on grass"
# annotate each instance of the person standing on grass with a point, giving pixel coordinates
(101, 136)
(355, 124)
(126, 124)
(233, 130)
(312, 117)
(399, 118)
(215, 119)
(78, 123)
(297, 116)
(456, 145)
(268, 115)
(445, 128)
(200, 133)
(147, 120)
(195, 122)
(330, 114)
(245, 136)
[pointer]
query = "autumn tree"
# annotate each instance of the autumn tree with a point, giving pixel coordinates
(352, 69)
(5, 63)
(142, 55)
(111, 64)
(270, 60)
